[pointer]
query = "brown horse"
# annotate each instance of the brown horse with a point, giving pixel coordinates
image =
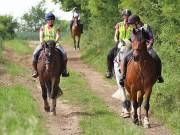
(75, 32)
(140, 78)
(49, 69)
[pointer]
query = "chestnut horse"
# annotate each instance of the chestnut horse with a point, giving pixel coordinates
(140, 78)
(75, 32)
(49, 68)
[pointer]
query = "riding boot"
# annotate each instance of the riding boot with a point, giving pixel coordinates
(109, 73)
(34, 72)
(160, 78)
(159, 68)
(65, 73)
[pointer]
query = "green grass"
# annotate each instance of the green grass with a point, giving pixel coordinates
(19, 113)
(15, 69)
(96, 119)
(18, 46)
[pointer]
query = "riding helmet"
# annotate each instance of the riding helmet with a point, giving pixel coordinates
(133, 19)
(126, 12)
(50, 16)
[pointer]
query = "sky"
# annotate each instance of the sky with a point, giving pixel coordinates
(17, 8)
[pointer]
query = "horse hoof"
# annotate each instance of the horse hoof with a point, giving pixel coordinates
(146, 126)
(140, 122)
(125, 115)
(135, 121)
(53, 113)
(47, 109)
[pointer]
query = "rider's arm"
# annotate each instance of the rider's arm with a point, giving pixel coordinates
(116, 34)
(58, 35)
(41, 35)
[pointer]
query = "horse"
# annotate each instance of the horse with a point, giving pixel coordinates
(76, 32)
(50, 68)
(141, 75)
(121, 93)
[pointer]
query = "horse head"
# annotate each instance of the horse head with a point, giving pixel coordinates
(49, 48)
(139, 44)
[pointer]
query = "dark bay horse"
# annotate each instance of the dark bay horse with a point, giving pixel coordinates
(49, 69)
(140, 78)
(76, 33)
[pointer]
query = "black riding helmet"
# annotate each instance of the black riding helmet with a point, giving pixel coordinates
(50, 16)
(133, 19)
(126, 12)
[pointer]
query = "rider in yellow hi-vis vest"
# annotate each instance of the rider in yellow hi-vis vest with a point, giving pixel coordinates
(122, 32)
(49, 32)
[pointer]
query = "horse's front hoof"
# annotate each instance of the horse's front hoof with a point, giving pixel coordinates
(146, 126)
(135, 121)
(53, 113)
(125, 115)
(47, 109)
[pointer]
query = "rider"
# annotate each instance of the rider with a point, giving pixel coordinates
(76, 14)
(122, 32)
(49, 32)
(136, 23)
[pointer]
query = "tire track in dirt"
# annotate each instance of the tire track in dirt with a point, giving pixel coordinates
(104, 89)
(66, 121)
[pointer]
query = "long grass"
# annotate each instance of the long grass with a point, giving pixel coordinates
(96, 119)
(19, 113)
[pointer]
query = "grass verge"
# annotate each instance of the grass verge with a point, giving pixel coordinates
(19, 113)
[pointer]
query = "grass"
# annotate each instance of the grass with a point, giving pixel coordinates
(96, 119)
(18, 46)
(19, 113)
(15, 69)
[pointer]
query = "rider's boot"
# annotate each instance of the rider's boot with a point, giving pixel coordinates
(109, 73)
(34, 72)
(160, 79)
(65, 73)
(123, 72)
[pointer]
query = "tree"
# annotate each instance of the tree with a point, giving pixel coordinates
(33, 19)
(7, 27)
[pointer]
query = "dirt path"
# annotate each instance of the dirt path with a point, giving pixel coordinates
(104, 89)
(66, 122)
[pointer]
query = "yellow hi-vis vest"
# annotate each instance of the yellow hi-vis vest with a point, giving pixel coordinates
(123, 33)
(49, 34)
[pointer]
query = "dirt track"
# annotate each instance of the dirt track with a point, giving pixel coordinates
(65, 123)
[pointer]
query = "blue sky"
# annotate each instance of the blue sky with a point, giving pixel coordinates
(17, 8)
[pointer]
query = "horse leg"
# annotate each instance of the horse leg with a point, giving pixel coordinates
(74, 38)
(146, 123)
(78, 45)
(54, 94)
(134, 107)
(140, 100)
(44, 95)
